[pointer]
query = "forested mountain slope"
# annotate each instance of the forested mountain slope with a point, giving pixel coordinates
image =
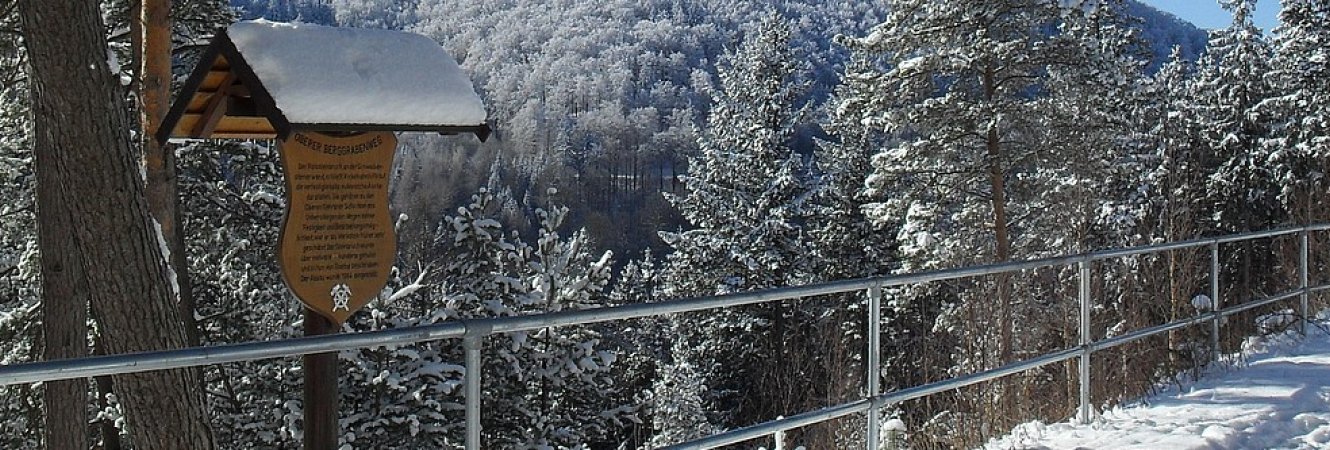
(602, 98)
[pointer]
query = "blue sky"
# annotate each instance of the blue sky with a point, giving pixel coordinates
(1208, 14)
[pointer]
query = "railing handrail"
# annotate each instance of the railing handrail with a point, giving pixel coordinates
(479, 328)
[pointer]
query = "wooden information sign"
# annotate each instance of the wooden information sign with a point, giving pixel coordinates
(337, 245)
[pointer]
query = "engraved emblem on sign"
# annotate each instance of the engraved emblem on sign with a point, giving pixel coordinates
(341, 297)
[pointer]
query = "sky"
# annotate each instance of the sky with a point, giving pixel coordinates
(1208, 14)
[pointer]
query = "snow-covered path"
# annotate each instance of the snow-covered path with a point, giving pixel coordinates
(1279, 398)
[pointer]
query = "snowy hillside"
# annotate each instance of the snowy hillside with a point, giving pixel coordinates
(1163, 31)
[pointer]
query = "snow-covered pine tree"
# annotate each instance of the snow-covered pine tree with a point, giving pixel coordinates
(233, 200)
(745, 201)
(997, 148)
(847, 245)
(1232, 83)
(1300, 146)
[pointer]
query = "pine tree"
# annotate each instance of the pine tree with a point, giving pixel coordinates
(1241, 194)
(90, 228)
(550, 388)
(1003, 119)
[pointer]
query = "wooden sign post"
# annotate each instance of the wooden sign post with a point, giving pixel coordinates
(337, 248)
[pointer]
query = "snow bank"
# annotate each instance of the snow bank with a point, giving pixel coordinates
(328, 75)
(1278, 398)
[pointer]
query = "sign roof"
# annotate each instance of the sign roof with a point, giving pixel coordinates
(265, 80)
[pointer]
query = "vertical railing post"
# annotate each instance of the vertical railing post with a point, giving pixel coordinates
(874, 366)
(1302, 280)
(1084, 296)
(472, 344)
(1215, 305)
(780, 436)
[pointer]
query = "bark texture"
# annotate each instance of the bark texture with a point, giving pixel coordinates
(89, 181)
(64, 321)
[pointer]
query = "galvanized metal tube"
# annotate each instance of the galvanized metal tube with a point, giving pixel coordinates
(472, 344)
(639, 310)
(1183, 323)
(1302, 282)
(1192, 243)
(1259, 303)
(220, 354)
(1214, 302)
(1147, 332)
(769, 428)
(1084, 296)
(980, 377)
(872, 439)
(1258, 235)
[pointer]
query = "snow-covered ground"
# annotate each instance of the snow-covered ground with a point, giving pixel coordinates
(1277, 397)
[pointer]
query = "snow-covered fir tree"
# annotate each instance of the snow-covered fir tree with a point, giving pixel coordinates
(1300, 145)
(679, 413)
(745, 201)
(233, 199)
(1231, 83)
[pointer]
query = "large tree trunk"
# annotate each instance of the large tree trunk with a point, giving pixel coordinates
(89, 180)
(64, 321)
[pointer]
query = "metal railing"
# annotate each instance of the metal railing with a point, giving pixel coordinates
(472, 332)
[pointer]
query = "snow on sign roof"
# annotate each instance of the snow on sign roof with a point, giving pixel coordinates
(265, 78)
(319, 74)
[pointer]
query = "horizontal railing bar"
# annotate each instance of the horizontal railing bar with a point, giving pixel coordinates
(774, 426)
(1199, 242)
(641, 310)
(219, 354)
(978, 377)
(1183, 323)
(1015, 266)
(1143, 333)
(1259, 234)
(1259, 303)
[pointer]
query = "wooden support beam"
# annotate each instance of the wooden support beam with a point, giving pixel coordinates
(216, 108)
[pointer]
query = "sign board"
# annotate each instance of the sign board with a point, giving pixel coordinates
(337, 245)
